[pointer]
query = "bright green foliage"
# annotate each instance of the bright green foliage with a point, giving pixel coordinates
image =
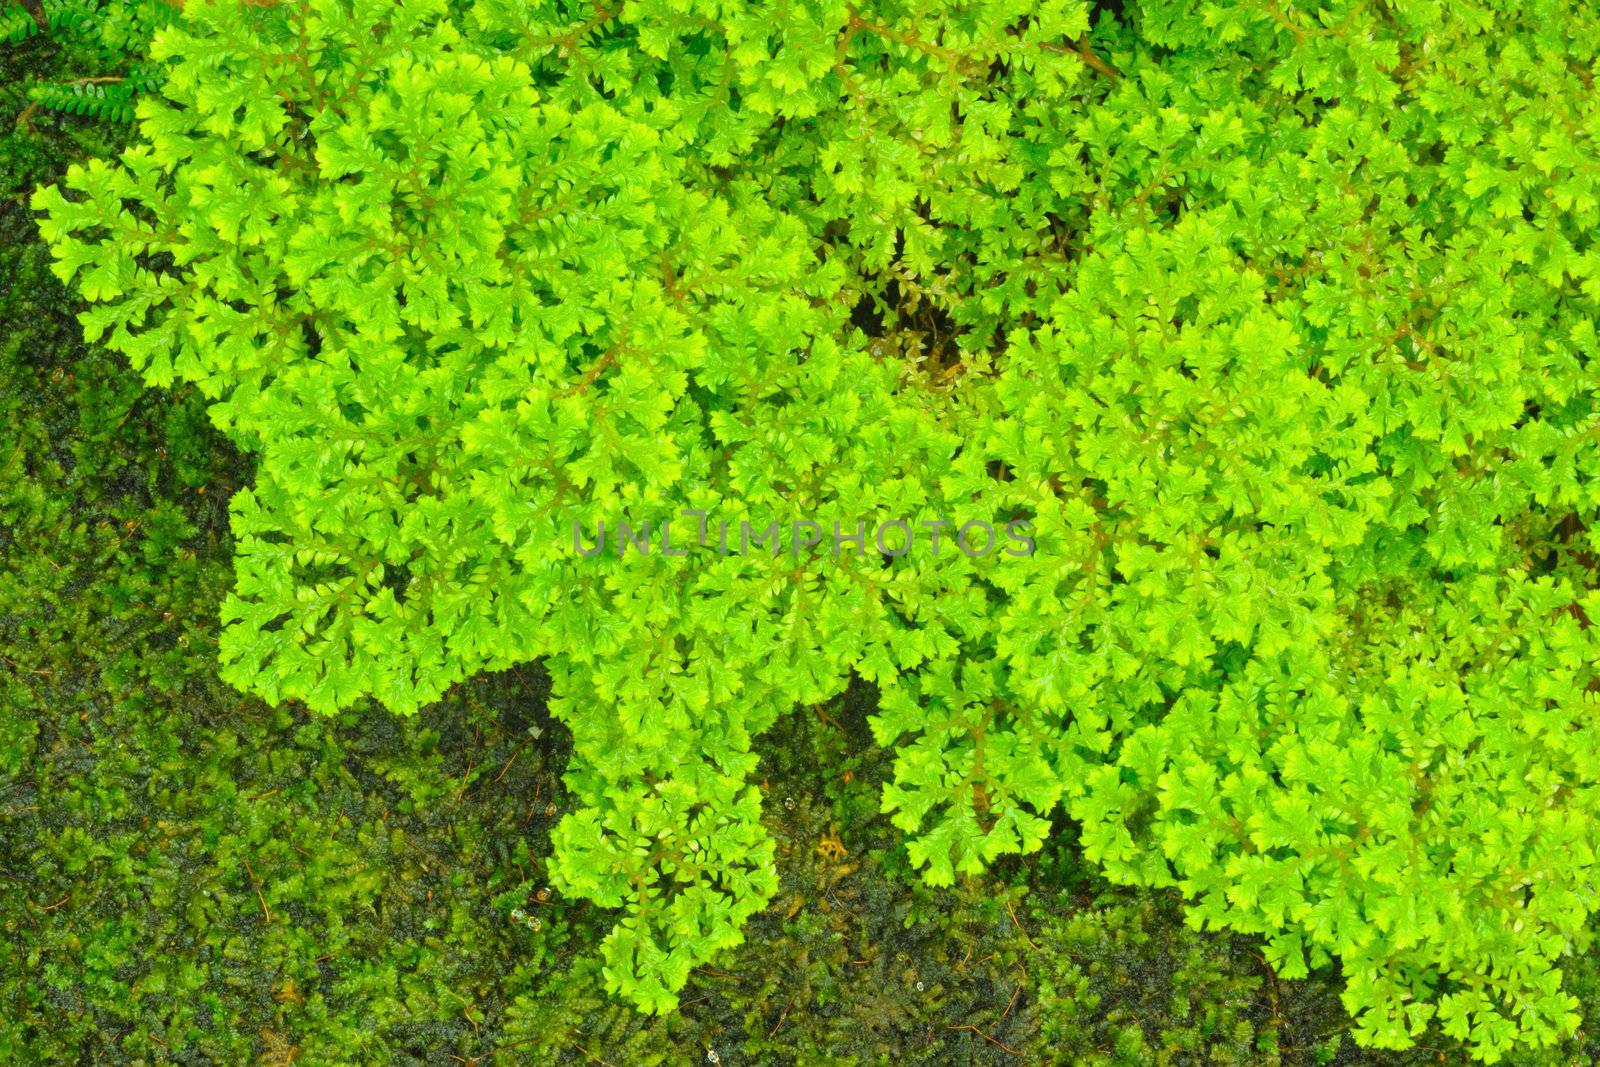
(1276, 325)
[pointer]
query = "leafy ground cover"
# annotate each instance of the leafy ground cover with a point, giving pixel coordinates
(196, 878)
(193, 877)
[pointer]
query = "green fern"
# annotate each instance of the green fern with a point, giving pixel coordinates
(17, 24)
(109, 101)
(106, 38)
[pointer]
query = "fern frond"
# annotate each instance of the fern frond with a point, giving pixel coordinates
(73, 14)
(110, 100)
(17, 24)
(144, 78)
